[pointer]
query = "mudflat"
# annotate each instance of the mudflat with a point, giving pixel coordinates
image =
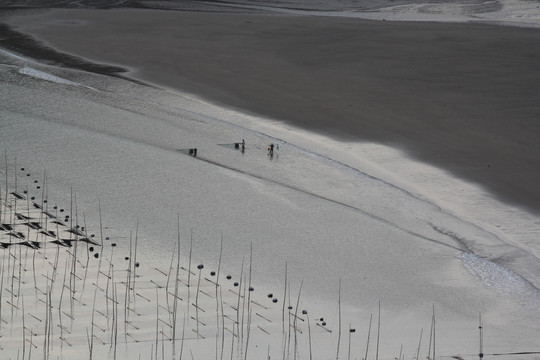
(462, 96)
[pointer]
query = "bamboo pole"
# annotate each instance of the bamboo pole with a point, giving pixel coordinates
(378, 333)
(296, 319)
(217, 301)
(175, 302)
(339, 319)
(369, 333)
(419, 343)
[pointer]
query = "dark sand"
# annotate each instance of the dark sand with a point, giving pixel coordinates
(464, 97)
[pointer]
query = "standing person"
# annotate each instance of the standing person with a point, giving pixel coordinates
(272, 149)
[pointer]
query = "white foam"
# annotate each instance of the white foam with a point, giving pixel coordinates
(502, 280)
(46, 76)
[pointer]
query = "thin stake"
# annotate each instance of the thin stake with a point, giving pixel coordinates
(369, 333)
(378, 332)
(419, 342)
(339, 319)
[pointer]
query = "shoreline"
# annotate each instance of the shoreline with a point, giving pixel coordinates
(120, 147)
(379, 84)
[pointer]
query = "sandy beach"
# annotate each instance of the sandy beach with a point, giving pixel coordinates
(463, 97)
(334, 226)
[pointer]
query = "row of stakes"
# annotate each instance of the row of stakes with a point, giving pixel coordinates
(137, 264)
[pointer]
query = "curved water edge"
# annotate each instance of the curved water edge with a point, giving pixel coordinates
(484, 243)
(390, 206)
(505, 282)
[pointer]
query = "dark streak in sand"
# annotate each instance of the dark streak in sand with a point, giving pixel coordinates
(24, 45)
(460, 246)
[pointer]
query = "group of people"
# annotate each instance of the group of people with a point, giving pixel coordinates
(242, 146)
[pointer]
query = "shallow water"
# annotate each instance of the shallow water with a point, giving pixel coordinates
(324, 215)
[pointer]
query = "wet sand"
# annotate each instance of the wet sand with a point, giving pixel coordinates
(464, 97)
